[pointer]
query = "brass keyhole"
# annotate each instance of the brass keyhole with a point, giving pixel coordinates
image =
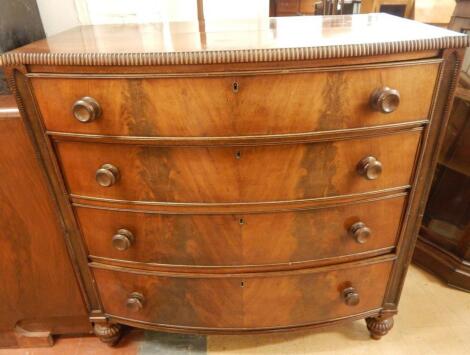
(241, 221)
(238, 155)
(235, 86)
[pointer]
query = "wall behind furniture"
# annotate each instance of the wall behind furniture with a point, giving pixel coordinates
(60, 15)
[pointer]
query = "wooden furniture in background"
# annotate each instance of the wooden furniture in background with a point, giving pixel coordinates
(201, 189)
(40, 295)
(403, 8)
(312, 7)
(434, 12)
(443, 245)
(291, 7)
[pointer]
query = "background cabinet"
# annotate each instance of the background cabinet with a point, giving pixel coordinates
(443, 246)
(40, 294)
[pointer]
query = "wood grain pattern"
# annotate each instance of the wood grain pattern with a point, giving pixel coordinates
(260, 139)
(237, 41)
(244, 301)
(426, 163)
(40, 293)
(243, 239)
(238, 174)
(18, 83)
(264, 104)
(249, 177)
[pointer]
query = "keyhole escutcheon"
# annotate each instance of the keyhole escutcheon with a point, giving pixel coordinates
(235, 86)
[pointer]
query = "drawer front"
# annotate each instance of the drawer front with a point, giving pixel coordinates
(241, 240)
(237, 174)
(261, 104)
(247, 301)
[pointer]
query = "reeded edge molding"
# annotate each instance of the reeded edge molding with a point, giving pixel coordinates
(225, 73)
(236, 207)
(236, 55)
(224, 269)
(426, 161)
(242, 268)
(388, 258)
(230, 331)
(266, 139)
(28, 115)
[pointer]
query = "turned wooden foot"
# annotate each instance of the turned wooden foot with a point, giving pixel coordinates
(379, 326)
(108, 333)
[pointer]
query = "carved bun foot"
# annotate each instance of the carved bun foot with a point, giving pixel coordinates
(379, 326)
(108, 333)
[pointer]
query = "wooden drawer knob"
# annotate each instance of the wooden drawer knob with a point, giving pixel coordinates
(385, 100)
(135, 301)
(351, 296)
(360, 232)
(370, 168)
(86, 109)
(123, 239)
(107, 175)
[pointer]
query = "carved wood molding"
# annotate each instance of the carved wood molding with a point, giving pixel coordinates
(426, 164)
(234, 56)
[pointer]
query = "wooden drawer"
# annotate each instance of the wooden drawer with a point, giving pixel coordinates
(240, 301)
(264, 104)
(238, 174)
(240, 240)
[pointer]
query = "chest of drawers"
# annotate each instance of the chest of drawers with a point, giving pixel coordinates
(247, 176)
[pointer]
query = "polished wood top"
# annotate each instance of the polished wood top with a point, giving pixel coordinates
(8, 108)
(270, 39)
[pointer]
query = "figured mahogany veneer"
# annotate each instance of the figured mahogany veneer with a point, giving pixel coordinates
(243, 301)
(242, 176)
(236, 105)
(238, 174)
(230, 240)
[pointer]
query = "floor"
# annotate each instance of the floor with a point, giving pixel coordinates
(433, 319)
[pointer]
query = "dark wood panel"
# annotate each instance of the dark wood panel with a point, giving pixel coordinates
(451, 268)
(40, 291)
(238, 174)
(262, 104)
(426, 162)
(244, 301)
(244, 239)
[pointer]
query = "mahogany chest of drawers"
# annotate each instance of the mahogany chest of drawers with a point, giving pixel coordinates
(247, 176)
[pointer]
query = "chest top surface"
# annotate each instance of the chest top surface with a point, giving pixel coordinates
(254, 40)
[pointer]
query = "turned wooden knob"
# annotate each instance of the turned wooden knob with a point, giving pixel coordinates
(123, 239)
(86, 109)
(360, 232)
(135, 301)
(370, 168)
(107, 175)
(351, 296)
(385, 100)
